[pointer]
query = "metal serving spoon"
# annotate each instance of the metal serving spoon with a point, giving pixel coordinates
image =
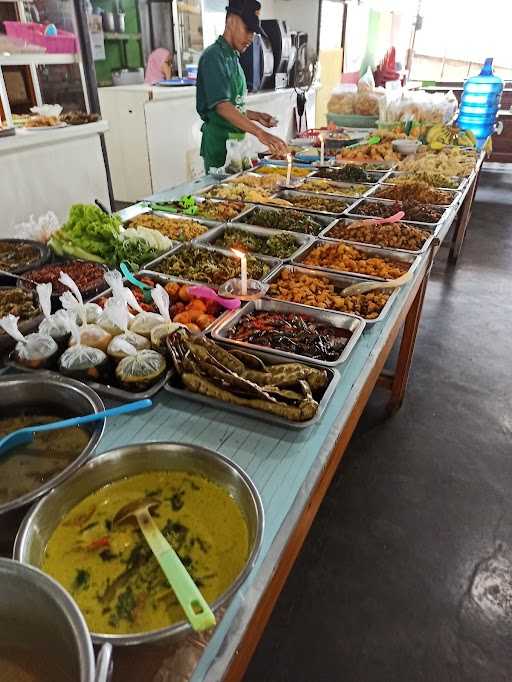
(26, 435)
(365, 287)
(196, 607)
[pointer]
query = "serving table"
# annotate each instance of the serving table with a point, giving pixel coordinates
(291, 469)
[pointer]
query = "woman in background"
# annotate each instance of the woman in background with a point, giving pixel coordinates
(159, 66)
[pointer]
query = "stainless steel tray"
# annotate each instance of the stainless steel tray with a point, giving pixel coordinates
(204, 194)
(376, 176)
(173, 216)
(352, 213)
(338, 280)
(378, 251)
(162, 279)
(461, 182)
(453, 193)
(175, 387)
(284, 164)
(245, 217)
(339, 320)
(111, 392)
(288, 193)
(325, 234)
(368, 188)
(152, 267)
(303, 240)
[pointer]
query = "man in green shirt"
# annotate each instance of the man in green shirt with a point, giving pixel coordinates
(222, 88)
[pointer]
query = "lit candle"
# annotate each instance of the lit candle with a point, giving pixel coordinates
(322, 150)
(243, 269)
(289, 175)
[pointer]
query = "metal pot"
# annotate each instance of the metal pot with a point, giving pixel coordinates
(42, 520)
(39, 616)
(53, 393)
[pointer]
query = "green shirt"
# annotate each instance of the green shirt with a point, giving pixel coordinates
(220, 78)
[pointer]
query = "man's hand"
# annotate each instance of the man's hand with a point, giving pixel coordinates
(263, 119)
(275, 144)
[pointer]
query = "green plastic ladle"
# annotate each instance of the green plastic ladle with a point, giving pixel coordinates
(196, 607)
(145, 288)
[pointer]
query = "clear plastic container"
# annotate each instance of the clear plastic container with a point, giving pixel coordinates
(480, 103)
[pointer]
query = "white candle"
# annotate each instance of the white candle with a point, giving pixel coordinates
(322, 150)
(243, 269)
(289, 175)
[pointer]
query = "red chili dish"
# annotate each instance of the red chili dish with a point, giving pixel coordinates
(87, 276)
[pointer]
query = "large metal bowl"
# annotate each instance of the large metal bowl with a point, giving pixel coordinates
(64, 396)
(39, 616)
(42, 520)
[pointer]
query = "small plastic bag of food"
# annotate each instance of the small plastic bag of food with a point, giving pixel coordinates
(52, 325)
(90, 311)
(144, 322)
(35, 350)
(140, 369)
(115, 281)
(81, 361)
(159, 333)
(119, 318)
(114, 314)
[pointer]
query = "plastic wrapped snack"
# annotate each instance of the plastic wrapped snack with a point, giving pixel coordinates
(94, 336)
(87, 313)
(109, 319)
(140, 369)
(116, 346)
(115, 281)
(52, 325)
(144, 322)
(161, 332)
(36, 351)
(83, 362)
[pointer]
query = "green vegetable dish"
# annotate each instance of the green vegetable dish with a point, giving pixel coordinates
(291, 221)
(279, 245)
(210, 267)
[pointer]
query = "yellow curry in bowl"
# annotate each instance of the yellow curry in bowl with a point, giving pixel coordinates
(110, 570)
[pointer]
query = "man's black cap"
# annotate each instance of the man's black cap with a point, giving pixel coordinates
(248, 11)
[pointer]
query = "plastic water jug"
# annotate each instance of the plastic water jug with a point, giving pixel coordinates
(480, 103)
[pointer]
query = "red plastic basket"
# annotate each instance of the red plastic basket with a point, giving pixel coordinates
(64, 42)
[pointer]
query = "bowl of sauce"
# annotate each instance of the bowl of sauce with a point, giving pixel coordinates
(30, 471)
(209, 511)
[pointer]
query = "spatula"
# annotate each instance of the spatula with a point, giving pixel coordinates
(365, 287)
(196, 607)
(26, 435)
(145, 288)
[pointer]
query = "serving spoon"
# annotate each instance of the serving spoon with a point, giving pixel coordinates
(196, 607)
(365, 287)
(392, 219)
(26, 435)
(145, 288)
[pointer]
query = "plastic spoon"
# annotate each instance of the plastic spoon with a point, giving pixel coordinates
(211, 295)
(392, 219)
(26, 435)
(365, 287)
(196, 607)
(145, 288)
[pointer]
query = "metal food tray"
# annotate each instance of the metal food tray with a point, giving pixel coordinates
(106, 390)
(461, 182)
(259, 415)
(324, 220)
(352, 213)
(275, 163)
(340, 320)
(274, 263)
(162, 279)
(303, 240)
(234, 179)
(145, 210)
(377, 251)
(285, 194)
(376, 174)
(377, 188)
(370, 186)
(205, 190)
(337, 279)
(428, 227)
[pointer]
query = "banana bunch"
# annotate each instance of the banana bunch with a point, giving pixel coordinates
(440, 136)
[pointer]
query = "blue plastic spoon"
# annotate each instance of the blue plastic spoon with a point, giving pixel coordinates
(24, 436)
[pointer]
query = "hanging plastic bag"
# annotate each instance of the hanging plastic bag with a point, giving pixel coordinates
(81, 361)
(35, 350)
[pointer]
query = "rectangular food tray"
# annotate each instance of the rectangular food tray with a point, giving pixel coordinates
(378, 251)
(352, 213)
(303, 240)
(325, 234)
(369, 188)
(340, 320)
(152, 268)
(288, 193)
(377, 188)
(338, 280)
(204, 192)
(245, 217)
(461, 182)
(111, 392)
(163, 280)
(175, 387)
(375, 175)
(144, 210)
